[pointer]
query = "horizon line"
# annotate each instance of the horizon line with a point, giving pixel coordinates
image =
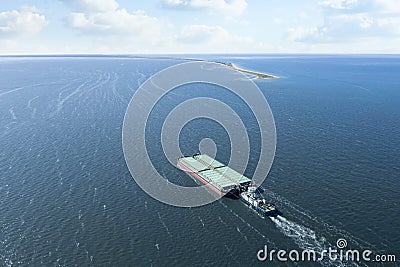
(167, 54)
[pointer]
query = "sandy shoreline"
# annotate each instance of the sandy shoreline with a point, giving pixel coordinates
(258, 75)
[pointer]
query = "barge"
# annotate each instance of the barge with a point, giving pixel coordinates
(219, 178)
(225, 181)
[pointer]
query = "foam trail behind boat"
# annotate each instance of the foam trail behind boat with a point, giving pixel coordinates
(306, 238)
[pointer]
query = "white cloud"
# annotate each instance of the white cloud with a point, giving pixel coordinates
(303, 34)
(389, 6)
(131, 31)
(211, 39)
(278, 21)
(25, 22)
(352, 20)
(92, 5)
(303, 15)
(359, 6)
(339, 4)
(136, 27)
(109, 27)
(230, 8)
(212, 35)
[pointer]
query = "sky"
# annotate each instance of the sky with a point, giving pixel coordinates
(199, 26)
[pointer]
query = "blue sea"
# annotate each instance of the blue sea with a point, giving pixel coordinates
(67, 197)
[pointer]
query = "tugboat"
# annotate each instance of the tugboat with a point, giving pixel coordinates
(252, 197)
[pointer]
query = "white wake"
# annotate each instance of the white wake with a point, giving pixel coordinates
(307, 239)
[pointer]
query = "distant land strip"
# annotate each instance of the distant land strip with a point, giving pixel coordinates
(258, 75)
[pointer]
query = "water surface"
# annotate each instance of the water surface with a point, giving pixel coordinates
(67, 197)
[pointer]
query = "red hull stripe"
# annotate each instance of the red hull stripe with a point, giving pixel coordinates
(192, 173)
